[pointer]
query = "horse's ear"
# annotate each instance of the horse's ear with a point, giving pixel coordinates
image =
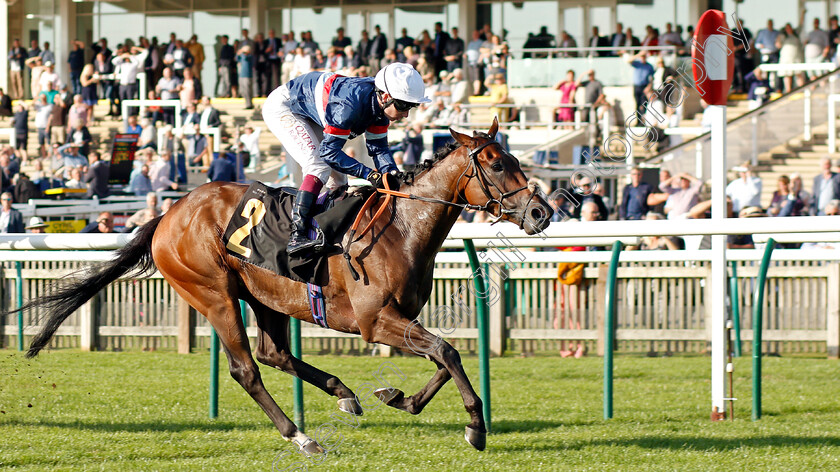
(462, 139)
(494, 128)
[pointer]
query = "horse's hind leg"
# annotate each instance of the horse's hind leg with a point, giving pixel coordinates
(216, 302)
(273, 350)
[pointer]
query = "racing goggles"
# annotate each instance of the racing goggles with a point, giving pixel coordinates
(402, 106)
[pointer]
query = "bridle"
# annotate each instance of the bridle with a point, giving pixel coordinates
(485, 183)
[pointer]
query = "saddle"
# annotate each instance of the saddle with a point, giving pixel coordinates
(259, 230)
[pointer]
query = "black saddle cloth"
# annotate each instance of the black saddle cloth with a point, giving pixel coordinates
(259, 230)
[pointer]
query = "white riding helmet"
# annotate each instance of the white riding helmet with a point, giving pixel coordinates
(401, 82)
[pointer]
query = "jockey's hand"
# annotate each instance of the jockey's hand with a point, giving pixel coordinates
(376, 179)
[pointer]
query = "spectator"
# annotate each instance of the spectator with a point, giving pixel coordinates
(104, 224)
(745, 191)
(796, 189)
(826, 188)
(11, 220)
(598, 41)
(5, 104)
(309, 45)
(250, 139)
(17, 61)
(260, 66)
(78, 114)
(642, 76)
(683, 197)
(126, 67)
(567, 90)
(454, 52)
(21, 124)
(744, 62)
(617, 38)
(661, 74)
(413, 146)
(48, 77)
(179, 58)
(43, 111)
(341, 41)
(245, 70)
(499, 96)
(589, 211)
(586, 192)
(221, 170)
(378, 45)
(790, 52)
(209, 116)
(58, 121)
(70, 158)
(634, 197)
(567, 41)
(658, 243)
(132, 127)
(593, 89)
(159, 171)
(765, 42)
(458, 87)
(196, 49)
(362, 49)
(476, 66)
(102, 68)
(24, 189)
(225, 68)
(651, 39)
(289, 47)
(139, 183)
(166, 205)
(167, 88)
(191, 117)
(401, 43)
(75, 182)
(744, 241)
(833, 35)
(816, 44)
(197, 151)
(758, 88)
(439, 48)
(188, 89)
(145, 215)
(97, 176)
(630, 41)
(670, 37)
(36, 225)
(785, 202)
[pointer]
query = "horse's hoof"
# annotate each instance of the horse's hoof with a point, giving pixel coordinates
(311, 448)
(350, 405)
(389, 396)
(476, 438)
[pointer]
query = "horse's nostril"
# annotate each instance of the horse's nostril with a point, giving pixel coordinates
(537, 214)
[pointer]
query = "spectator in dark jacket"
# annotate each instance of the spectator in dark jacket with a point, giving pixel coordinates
(221, 170)
(585, 193)
(97, 176)
(21, 123)
(11, 220)
(5, 104)
(25, 190)
(634, 205)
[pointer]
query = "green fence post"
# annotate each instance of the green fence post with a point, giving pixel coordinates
(297, 384)
(735, 299)
(19, 287)
(758, 312)
(483, 329)
(609, 330)
(214, 373)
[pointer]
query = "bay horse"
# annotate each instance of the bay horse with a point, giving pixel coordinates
(395, 260)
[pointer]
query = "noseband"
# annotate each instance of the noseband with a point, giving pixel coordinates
(486, 184)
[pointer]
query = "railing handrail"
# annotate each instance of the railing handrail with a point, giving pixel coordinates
(764, 108)
(665, 47)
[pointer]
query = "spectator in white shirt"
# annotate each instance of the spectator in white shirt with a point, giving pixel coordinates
(127, 65)
(49, 76)
(251, 140)
(745, 191)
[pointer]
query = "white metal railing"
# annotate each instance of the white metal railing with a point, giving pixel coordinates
(691, 131)
(799, 67)
(176, 104)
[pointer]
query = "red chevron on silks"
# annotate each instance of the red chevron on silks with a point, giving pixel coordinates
(713, 58)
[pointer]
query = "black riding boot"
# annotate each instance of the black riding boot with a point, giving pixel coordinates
(299, 240)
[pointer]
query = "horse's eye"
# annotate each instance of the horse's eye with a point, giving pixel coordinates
(497, 166)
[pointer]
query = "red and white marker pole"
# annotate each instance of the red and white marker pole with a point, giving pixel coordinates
(713, 66)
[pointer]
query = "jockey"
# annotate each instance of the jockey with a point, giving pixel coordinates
(315, 114)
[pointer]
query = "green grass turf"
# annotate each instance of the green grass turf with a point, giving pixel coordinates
(68, 410)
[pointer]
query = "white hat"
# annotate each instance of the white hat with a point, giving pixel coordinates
(36, 222)
(402, 82)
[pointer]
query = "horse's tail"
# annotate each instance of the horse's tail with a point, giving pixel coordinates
(135, 257)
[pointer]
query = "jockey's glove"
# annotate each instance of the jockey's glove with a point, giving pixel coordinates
(376, 178)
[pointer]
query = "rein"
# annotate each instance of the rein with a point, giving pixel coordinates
(484, 182)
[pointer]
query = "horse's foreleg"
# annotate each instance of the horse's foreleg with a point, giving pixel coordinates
(397, 331)
(414, 404)
(273, 350)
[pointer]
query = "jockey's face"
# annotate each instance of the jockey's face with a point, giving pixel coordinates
(391, 110)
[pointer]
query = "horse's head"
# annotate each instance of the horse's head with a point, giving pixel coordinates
(493, 180)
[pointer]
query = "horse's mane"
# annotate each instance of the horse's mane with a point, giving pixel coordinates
(441, 154)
